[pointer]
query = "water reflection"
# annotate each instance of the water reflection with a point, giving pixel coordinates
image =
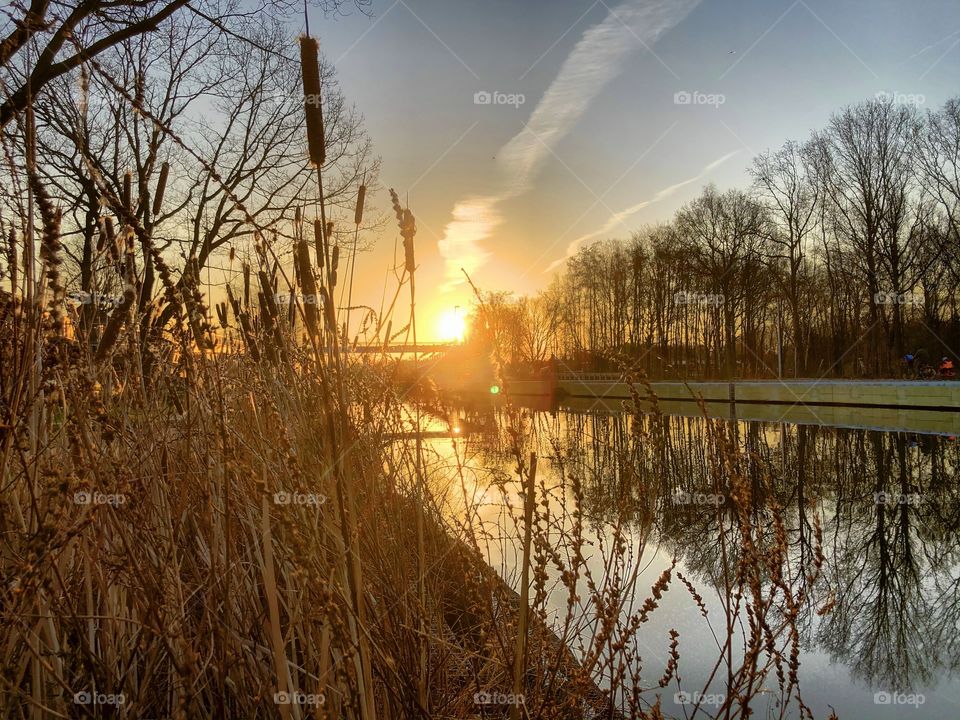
(887, 604)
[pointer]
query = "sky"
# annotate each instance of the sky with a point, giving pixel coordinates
(520, 131)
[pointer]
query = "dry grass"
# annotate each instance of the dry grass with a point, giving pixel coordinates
(208, 524)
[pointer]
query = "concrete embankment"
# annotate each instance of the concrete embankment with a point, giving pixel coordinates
(940, 395)
(918, 406)
(934, 422)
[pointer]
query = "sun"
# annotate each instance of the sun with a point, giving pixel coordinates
(451, 325)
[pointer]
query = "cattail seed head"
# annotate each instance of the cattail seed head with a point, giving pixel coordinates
(318, 241)
(127, 182)
(310, 70)
(161, 187)
(361, 197)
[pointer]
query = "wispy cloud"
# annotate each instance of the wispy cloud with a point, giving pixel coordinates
(597, 58)
(619, 217)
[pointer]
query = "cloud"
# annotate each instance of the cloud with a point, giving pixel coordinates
(620, 216)
(473, 220)
(597, 59)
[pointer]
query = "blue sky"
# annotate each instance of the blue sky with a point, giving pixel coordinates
(600, 147)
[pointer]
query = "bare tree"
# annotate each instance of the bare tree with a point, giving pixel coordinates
(722, 233)
(226, 117)
(783, 180)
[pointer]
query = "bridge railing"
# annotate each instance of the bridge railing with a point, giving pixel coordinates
(587, 377)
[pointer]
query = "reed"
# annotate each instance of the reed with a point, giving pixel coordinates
(228, 529)
(313, 107)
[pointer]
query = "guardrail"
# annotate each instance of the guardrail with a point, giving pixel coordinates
(590, 377)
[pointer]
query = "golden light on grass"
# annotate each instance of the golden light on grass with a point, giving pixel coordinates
(451, 325)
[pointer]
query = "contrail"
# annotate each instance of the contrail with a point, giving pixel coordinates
(594, 62)
(622, 215)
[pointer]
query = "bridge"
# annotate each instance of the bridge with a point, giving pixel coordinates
(403, 348)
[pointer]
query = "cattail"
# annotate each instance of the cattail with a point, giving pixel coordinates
(329, 230)
(309, 286)
(318, 241)
(130, 254)
(161, 186)
(310, 69)
(115, 323)
(246, 285)
(50, 247)
(329, 315)
(222, 314)
(296, 215)
(101, 237)
(127, 192)
(358, 213)
(334, 264)
(84, 102)
(243, 319)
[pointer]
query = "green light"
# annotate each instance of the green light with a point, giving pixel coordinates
(494, 389)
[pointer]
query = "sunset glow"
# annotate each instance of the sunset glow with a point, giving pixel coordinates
(451, 325)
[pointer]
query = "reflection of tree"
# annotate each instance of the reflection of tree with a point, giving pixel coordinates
(890, 606)
(882, 620)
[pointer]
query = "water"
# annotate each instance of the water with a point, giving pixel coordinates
(878, 629)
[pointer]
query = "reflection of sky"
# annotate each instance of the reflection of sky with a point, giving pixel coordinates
(599, 147)
(848, 515)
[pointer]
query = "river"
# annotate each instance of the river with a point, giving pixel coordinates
(873, 514)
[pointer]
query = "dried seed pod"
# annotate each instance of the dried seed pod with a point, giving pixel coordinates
(127, 192)
(318, 241)
(361, 197)
(161, 187)
(222, 314)
(310, 69)
(101, 237)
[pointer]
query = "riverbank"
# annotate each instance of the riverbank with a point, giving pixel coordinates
(932, 395)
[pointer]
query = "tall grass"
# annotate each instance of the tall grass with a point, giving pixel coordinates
(243, 526)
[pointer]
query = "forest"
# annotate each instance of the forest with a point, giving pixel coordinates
(841, 257)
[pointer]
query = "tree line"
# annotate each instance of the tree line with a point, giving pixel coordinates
(841, 257)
